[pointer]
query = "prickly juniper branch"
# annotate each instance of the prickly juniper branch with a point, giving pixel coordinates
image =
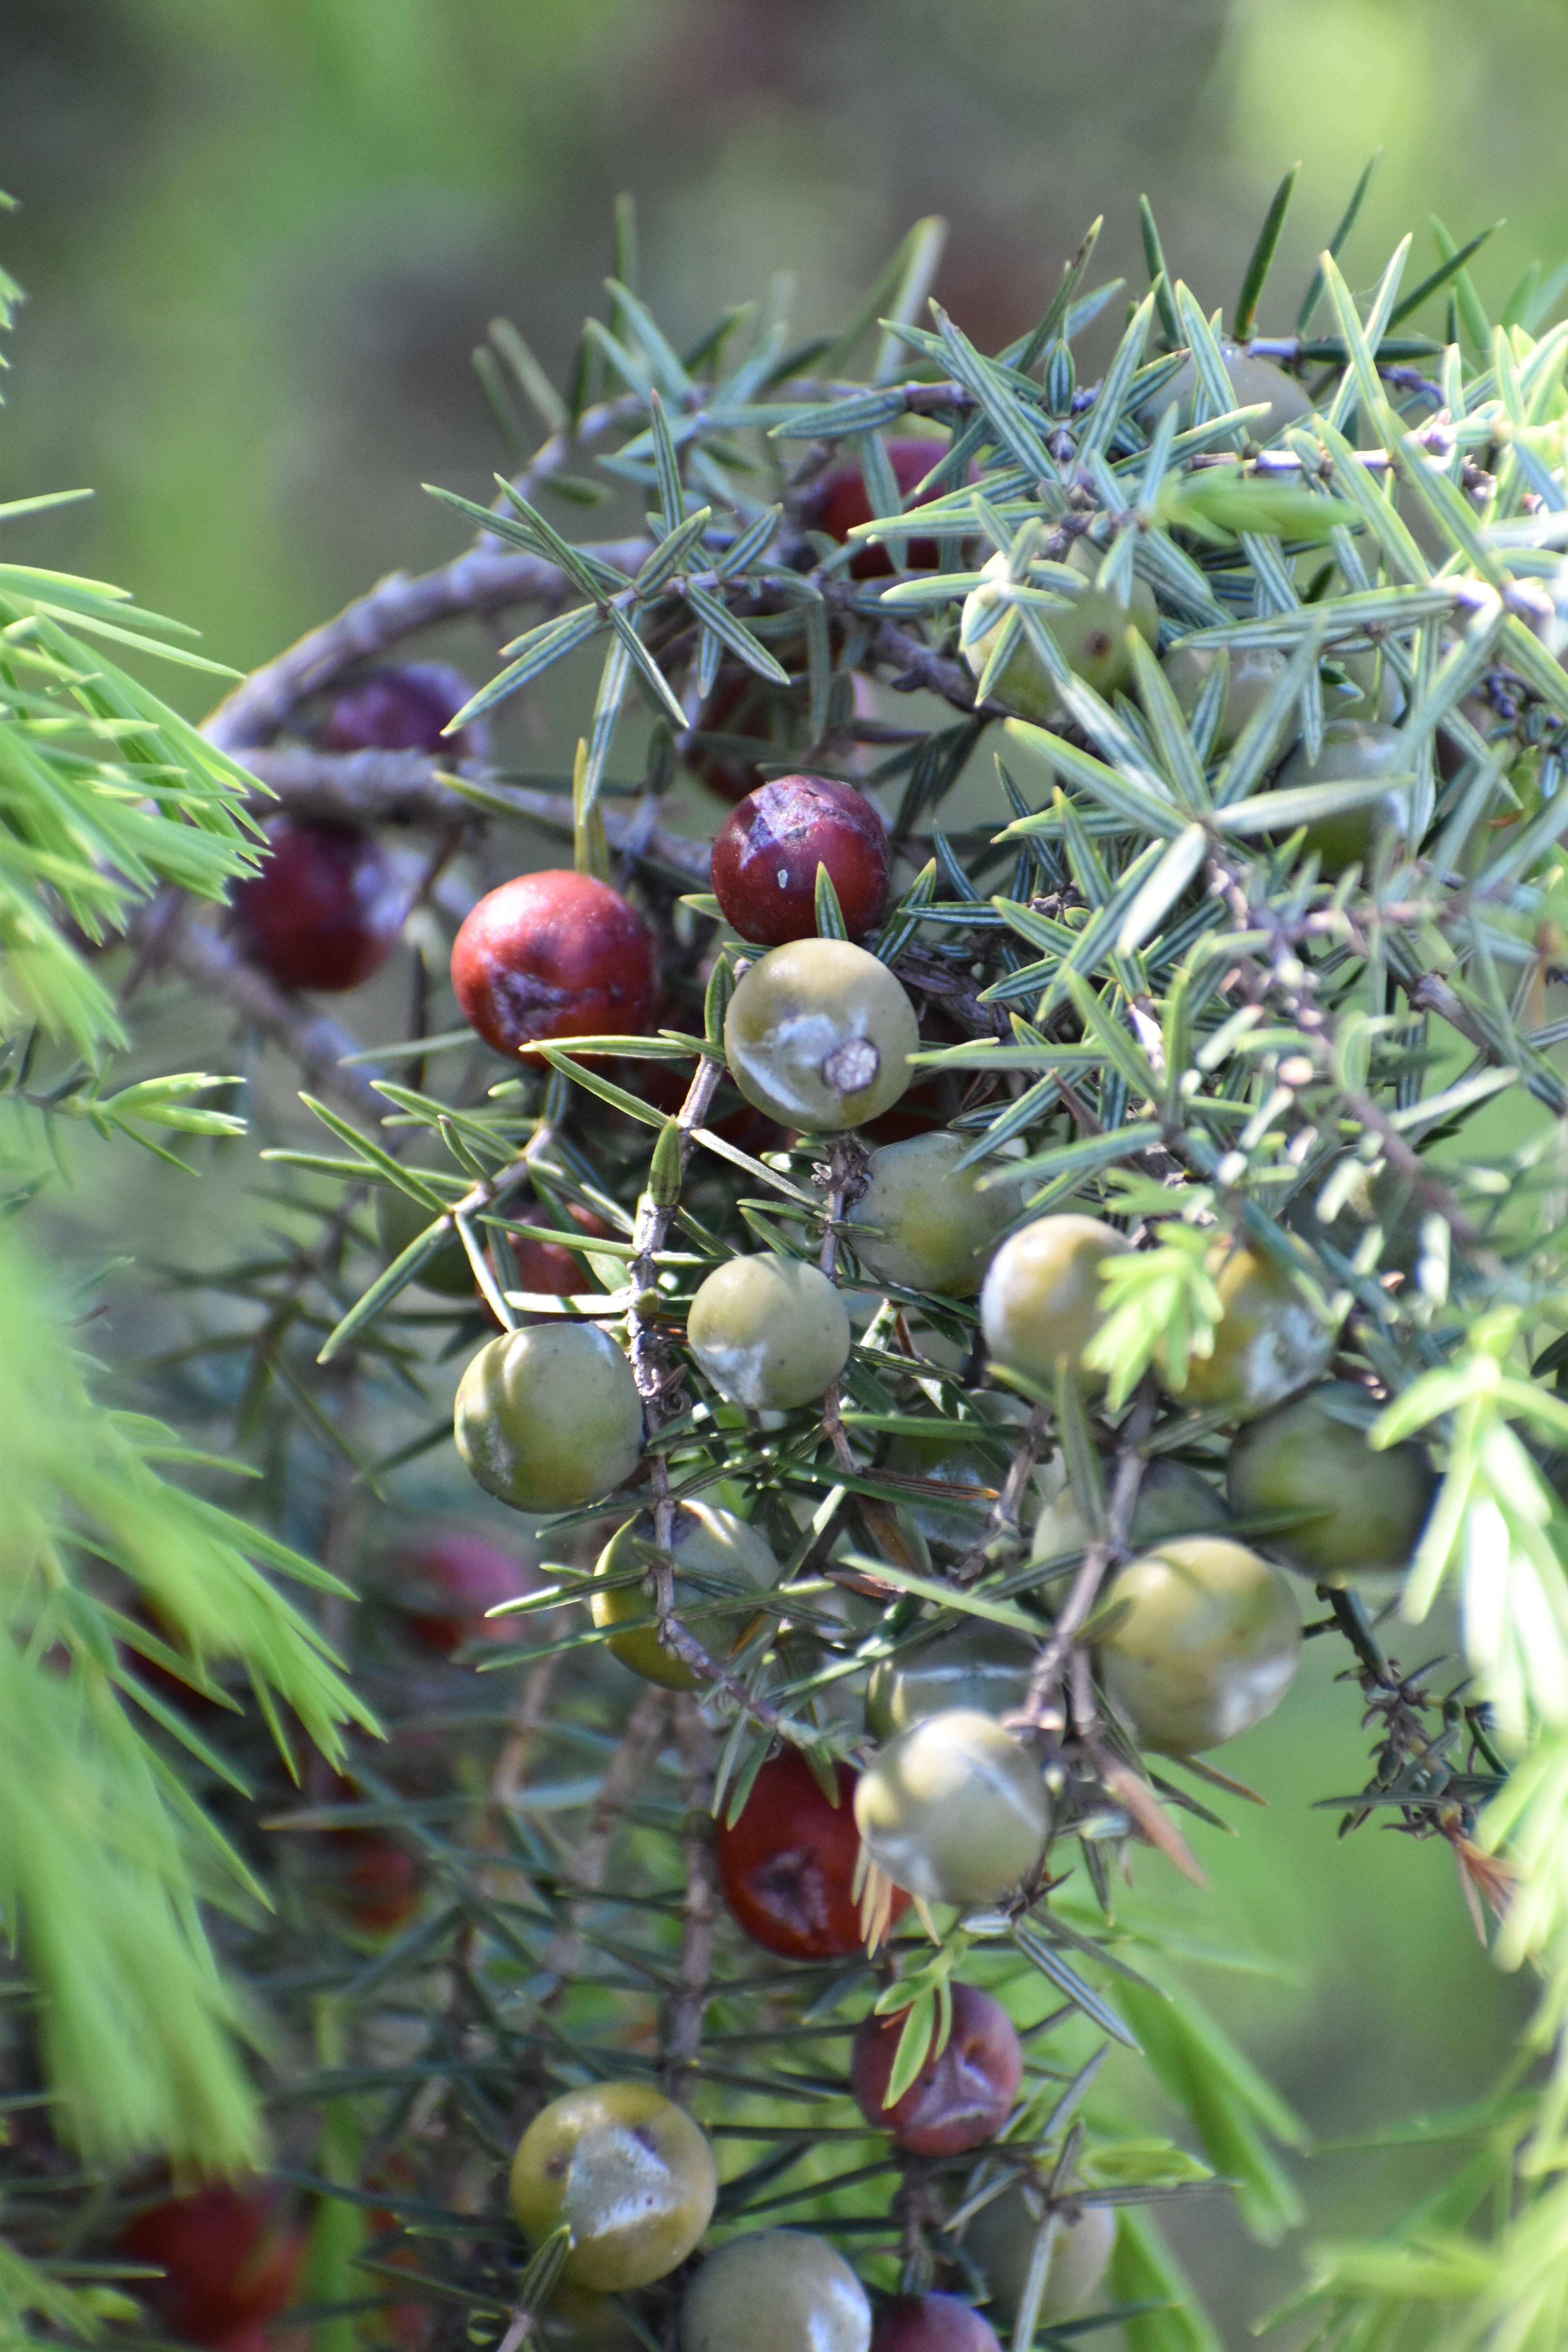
(1292, 983)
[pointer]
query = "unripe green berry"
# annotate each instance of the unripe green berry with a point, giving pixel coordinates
(1269, 1341)
(818, 1034)
(1379, 693)
(629, 2173)
(1367, 1508)
(1386, 1198)
(778, 2291)
(922, 1223)
(400, 1220)
(971, 1473)
(1094, 634)
(1001, 2239)
(1253, 674)
(1351, 748)
(1173, 1500)
(576, 2320)
(1207, 1643)
(1251, 380)
(549, 1417)
(954, 1808)
(982, 1668)
(770, 1332)
(1041, 1303)
(710, 1545)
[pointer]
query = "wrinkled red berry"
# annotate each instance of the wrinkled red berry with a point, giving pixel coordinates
(326, 908)
(958, 2099)
(553, 955)
(229, 2260)
(404, 709)
(932, 2323)
(766, 855)
(787, 1866)
(448, 1583)
(845, 503)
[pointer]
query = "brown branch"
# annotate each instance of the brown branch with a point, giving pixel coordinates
(624, 1778)
(360, 787)
(917, 666)
(482, 580)
(489, 577)
(684, 2016)
(408, 788)
(315, 1043)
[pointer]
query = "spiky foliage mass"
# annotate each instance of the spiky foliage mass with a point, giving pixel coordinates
(1142, 997)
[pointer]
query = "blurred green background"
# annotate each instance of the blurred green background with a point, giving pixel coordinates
(261, 238)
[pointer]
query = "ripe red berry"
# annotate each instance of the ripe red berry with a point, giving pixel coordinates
(551, 1266)
(375, 1882)
(403, 707)
(326, 908)
(959, 2098)
(787, 1864)
(553, 955)
(766, 855)
(447, 1584)
(845, 503)
(229, 2260)
(932, 2323)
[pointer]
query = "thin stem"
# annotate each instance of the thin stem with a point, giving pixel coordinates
(1002, 1533)
(1099, 1556)
(846, 1171)
(318, 1046)
(683, 2020)
(623, 1779)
